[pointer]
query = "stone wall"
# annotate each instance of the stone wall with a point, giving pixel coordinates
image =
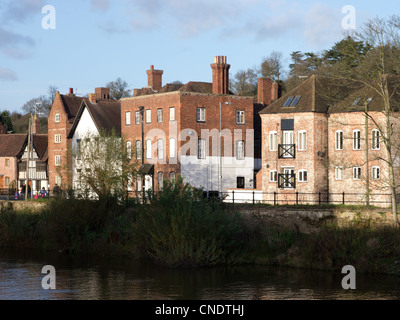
(309, 220)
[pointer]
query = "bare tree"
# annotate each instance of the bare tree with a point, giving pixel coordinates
(374, 71)
(118, 89)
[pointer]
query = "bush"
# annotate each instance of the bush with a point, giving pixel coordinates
(180, 228)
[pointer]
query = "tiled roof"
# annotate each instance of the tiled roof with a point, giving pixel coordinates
(40, 142)
(371, 96)
(192, 86)
(72, 104)
(13, 145)
(105, 114)
(316, 94)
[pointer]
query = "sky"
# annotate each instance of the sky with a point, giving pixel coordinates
(88, 43)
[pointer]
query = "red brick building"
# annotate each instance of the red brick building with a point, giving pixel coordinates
(181, 125)
(316, 140)
(61, 117)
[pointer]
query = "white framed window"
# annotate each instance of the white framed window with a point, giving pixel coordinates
(172, 114)
(57, 117)
(172, 176)
(159, 115)
(273, 141)
(201, 114)
(302, 142)
(172, 147)
(339, 140)
(129, 149)
(57, 138)
(375, 139)
(239, 117)
(302, 174)
(201, 148)
(148, 116)
(148, 149)
(138, 149)
(375, 173)
(58, 180)
(137, 117)
(240, 150)
(128, 118)
(338, 173)
(356, 173)
(57, 160)
(160, 149)
(356, 140)
(273, 176)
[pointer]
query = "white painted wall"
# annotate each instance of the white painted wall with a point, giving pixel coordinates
(85, 127)
(203, 173)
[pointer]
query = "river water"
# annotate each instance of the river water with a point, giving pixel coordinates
(96, 278)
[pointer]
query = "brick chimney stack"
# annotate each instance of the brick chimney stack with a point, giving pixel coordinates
(268, 91)
(220, 75)
(154, 78)
(102, 94)
(35, 124)
(71, 91)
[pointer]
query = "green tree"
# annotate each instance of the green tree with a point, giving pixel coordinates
(5, 119)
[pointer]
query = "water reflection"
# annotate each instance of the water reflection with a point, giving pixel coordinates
(115, 278)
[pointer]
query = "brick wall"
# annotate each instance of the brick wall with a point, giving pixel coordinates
(62, 127)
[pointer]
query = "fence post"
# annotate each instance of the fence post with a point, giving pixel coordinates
(297, 197)
(274, 198)
(253, 197)
(233, 196)
(343, 197)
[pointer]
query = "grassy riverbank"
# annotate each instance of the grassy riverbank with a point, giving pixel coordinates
(181, 229)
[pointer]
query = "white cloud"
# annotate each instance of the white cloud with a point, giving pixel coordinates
(321, 25)
(8, 74)
(102, 5)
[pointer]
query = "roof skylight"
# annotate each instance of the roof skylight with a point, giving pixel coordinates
(288, 101)
(295, 101)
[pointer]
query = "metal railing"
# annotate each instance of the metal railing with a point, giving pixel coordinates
(286, 151)
(303, 198)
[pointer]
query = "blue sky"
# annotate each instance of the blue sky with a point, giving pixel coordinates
(96, 41)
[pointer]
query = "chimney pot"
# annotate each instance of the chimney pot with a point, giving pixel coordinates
(71, 90)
